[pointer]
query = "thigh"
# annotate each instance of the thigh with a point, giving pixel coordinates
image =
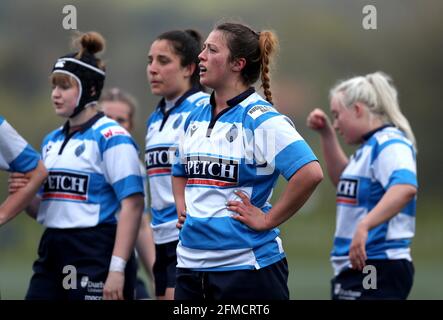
(45, 284)
(269, 283)
(189, 285)
(165, 267)
(389, 279)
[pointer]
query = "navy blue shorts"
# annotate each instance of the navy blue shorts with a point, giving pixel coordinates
(269, 283)
(165, 265)
(73, 264)
(394, 280)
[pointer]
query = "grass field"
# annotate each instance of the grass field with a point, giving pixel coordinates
(306, 237)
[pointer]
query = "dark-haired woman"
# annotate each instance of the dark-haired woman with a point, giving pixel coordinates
(173, 74)
(233, 151)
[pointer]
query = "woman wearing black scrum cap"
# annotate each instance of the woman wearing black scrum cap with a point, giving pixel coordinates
(94, 172)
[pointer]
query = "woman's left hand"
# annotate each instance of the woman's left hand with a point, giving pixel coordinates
(357, 251)
(247, 213)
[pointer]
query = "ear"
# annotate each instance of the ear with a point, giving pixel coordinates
(189, 70)
(238, 64)
(359, 109)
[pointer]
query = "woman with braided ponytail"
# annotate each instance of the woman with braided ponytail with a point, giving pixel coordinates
(234, 148)
(376, 188)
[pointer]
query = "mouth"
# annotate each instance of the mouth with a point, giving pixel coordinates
(202, 69)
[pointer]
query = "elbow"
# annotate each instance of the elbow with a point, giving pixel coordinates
(316, 174)
(411, 192)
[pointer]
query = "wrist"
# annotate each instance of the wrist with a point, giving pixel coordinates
(117, 264)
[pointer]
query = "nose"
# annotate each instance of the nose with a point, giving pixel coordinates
(335, 124)
(55, 92)
(202, 55)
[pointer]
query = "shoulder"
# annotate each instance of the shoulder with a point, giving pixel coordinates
(199, 98)
(106, 129)
(390, 140)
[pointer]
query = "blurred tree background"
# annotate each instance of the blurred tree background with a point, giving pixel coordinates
(321, 42)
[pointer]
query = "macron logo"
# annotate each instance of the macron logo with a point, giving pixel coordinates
(114, 131)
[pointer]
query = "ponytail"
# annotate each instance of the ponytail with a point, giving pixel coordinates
(388, 101)
(268, 44)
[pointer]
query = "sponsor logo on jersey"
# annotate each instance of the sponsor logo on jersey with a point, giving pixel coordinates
(158, 160)
(347, 191)
(66, 186)
(114, 131)
(211, 171)
(258, 110)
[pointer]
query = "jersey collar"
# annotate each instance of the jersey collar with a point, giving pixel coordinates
(366, 136)
(85, 126)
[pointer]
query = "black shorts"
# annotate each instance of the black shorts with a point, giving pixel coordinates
(393, 281)
(165, 267)
(269, 283)
(73, 264)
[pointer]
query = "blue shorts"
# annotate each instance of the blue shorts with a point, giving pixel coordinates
(393, 281)
(269, 283)
(73, 264)
(165, 265)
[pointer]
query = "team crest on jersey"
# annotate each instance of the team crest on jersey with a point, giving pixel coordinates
(113, 131)
(232, 134)
(80, 149)
(193, 129)
(177, 122)
(211, 171)
(66, 186)
(347, 191)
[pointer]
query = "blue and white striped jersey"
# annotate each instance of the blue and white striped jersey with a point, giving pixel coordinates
(163, 132)
(245, 147)
(385, 159)
(15, 153)
(90, 171)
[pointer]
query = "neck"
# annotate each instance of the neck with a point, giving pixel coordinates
(83, 116)
(178, 94)
(222, 95)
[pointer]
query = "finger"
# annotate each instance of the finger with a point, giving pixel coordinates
(120, 294)
(17, 175)
(243, 196)
(233, 203)
(238, 218)
(240, 210)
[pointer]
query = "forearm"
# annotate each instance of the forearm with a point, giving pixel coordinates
(395, 199)
(178, 189)
(18, 201)
(335, 158)
(297, 192)
(128, 226)
(145, 245)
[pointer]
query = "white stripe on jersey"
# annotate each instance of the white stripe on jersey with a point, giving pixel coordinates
(202, 259)
(11, 145)
(165, 232)
(64, 214)
(196, 200)
(384, 166)
(347, 221)
(401, 226)
(115, 169)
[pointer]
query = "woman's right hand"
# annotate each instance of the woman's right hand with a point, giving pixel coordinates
(318, 120)
(16, 181)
